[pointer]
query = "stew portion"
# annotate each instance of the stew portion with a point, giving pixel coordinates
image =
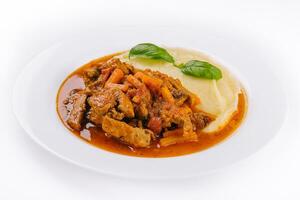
(80, 93)
(136, 107)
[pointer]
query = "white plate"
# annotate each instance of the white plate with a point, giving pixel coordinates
(36, 88)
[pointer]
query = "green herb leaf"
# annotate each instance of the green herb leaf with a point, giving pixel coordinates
(148, 50)
(201, 69)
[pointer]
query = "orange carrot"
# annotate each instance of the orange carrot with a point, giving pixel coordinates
(134, 81)
(165, 92)
(115, 77)
(123, 87)
(152, 83)
(166, 141)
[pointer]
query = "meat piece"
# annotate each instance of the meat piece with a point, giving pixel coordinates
(183, 93)
(90, 75)
(188, 128)
(182, 117)
(113, 113)
(125, 104)
(201, 120)
(116, 63)
(100, 103)
(110, 101)
(76, 115)
(99, 83)
(161, 109)
(142, 110)
(172, 114)
(134, 136)
(180, 97)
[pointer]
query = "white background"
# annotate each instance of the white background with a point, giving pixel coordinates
(29, 172)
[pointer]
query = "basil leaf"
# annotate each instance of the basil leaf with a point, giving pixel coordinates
(148, 50)
(201, 69)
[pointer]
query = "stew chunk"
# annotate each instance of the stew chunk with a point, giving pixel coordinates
(126, 133)
(77, 113)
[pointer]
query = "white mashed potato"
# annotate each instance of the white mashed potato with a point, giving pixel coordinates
(219, 98)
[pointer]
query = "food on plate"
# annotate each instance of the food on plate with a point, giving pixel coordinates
(152, 102)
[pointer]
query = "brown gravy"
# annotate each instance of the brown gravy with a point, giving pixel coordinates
(96, 137)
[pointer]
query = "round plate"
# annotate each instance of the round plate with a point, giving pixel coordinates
(34, 99)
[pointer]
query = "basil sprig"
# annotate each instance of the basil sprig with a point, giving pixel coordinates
(148, 50)
(201, 69)
(194, 68)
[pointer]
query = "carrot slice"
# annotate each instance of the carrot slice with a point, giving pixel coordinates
(152, 83)
(167, 141)
(123, 87)
(176, 136)
(134, 81)
(165, 92)
(115, 77)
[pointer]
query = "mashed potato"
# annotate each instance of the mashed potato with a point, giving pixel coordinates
(219, 98)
